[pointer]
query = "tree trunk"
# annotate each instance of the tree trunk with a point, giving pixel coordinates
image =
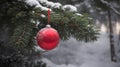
(112, 48)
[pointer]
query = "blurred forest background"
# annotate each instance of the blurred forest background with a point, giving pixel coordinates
(106, 13)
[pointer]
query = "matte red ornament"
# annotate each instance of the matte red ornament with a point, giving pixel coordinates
(48, 38)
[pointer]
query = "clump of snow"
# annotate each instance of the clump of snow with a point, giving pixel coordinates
(32, 2)
(43, 1)
(51, 4)
(43, 16)
(35, 2)
(37, 23)
(45, 8)
(79, 14)
(57, 5)
(48, 3)
(70, 8)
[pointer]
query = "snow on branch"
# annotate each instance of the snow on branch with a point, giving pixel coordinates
(32, 2)
(36, 2)
(111, 6)
(51, 4)
(70, 8)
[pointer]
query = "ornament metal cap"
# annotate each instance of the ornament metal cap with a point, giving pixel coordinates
(48, 25)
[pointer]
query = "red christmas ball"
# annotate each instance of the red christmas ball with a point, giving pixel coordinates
(48, 38)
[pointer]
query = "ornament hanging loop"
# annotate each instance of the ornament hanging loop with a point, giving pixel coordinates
(48, 16)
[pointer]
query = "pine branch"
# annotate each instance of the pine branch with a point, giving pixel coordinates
(19, 38)
(70, 24)
(22, 35)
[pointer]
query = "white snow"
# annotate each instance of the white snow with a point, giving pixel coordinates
(79, 14)
(51, 4)
(32, 2)
(70, 8)
(35, 2)
(57, 5)
(48, 3)
(43, 1)
(43, 16)
(80, 54)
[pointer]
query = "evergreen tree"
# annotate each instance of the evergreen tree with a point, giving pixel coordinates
(18, 29)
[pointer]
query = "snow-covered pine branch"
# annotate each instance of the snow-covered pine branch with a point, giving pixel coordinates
(51, 4)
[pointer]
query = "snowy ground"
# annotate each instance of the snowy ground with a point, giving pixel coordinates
(72, 53)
